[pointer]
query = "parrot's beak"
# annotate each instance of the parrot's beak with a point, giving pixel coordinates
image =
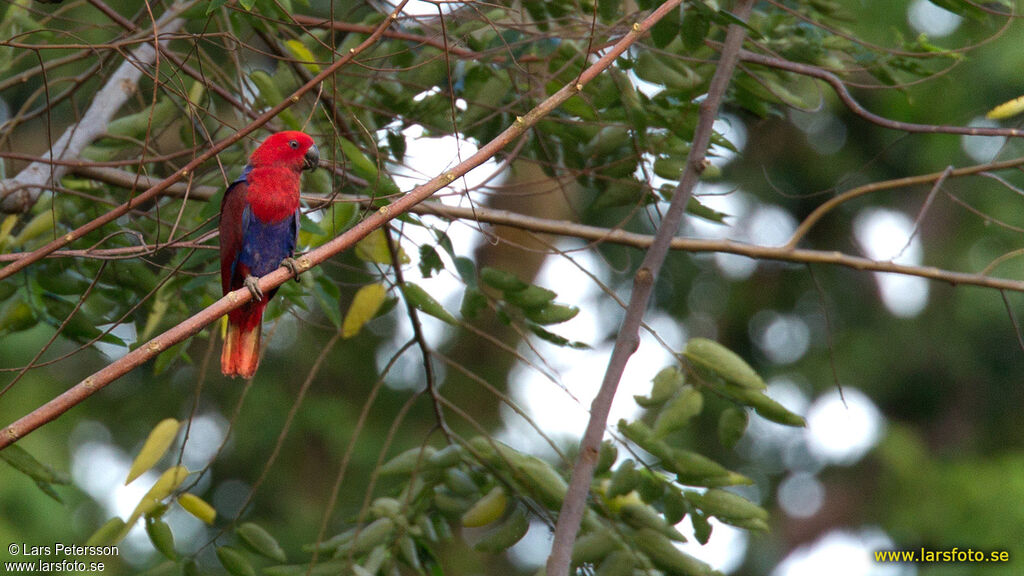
(311, 161)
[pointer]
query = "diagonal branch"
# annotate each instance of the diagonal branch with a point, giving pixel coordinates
(19, 193)
(191, 326)
(643, 283)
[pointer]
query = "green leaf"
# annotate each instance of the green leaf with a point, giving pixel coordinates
(504, 281)
(665, 30)
(23, 462)
(365, 305)
(531, 298)
(155, 446)
(214, 5)
(430, 261)
(695, 28)
(556, 339)
(328, 296)
(466, 269)
(247, 4)
(106, 535)
(473, 301)
(608, 10)
(424, 302)
(260, 541)
(552, 314)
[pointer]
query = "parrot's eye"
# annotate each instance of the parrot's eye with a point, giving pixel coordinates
(294, 144)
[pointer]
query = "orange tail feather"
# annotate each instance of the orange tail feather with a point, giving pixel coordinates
(240, 355)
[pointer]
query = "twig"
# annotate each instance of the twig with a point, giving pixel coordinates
(628, 339)
(421, 340)
(19, 193)
(232, 300)
(840, 89)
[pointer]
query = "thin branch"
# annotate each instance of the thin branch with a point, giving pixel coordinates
(191, 326)
(19, 193)
(628, 339)
(840, 88)
(421, 340)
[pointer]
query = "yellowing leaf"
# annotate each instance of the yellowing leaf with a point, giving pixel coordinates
(162, 488)
(299, 50)
(1007, 109)
(153, 449)
(374, 248)
(197, 507)
(364, 306)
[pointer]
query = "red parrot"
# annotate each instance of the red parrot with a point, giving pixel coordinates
(259, 226)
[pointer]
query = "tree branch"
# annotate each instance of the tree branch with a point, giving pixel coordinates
(628, 339)
(19, 193)
(189, 327)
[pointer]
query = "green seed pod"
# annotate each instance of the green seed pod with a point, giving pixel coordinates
(459, 482)
(624, 480)
(676, 506)
(606, 457)
(161, 536)
(487, 509)
(505, 535)
(593, 547)
(446, 457)
(664, 554)
(618, 563)
(711, 355)
(727, 506)
(731, 425)
(372, 535)
(235, 562)
(665, 385)
(260, 541)
(678, 412)
(407, 462)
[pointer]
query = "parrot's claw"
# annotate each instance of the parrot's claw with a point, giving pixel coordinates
(293, 266)
(253, 284)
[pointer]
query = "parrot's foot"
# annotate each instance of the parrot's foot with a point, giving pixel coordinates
(293, 266)
(252, 283)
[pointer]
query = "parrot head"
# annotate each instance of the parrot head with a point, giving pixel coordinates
(290, 148)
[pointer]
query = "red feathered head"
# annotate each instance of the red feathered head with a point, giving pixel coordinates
(290, 148)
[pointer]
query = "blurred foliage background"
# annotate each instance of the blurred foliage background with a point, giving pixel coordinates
(922, 450)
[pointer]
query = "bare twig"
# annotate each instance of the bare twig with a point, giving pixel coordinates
(628, 339)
